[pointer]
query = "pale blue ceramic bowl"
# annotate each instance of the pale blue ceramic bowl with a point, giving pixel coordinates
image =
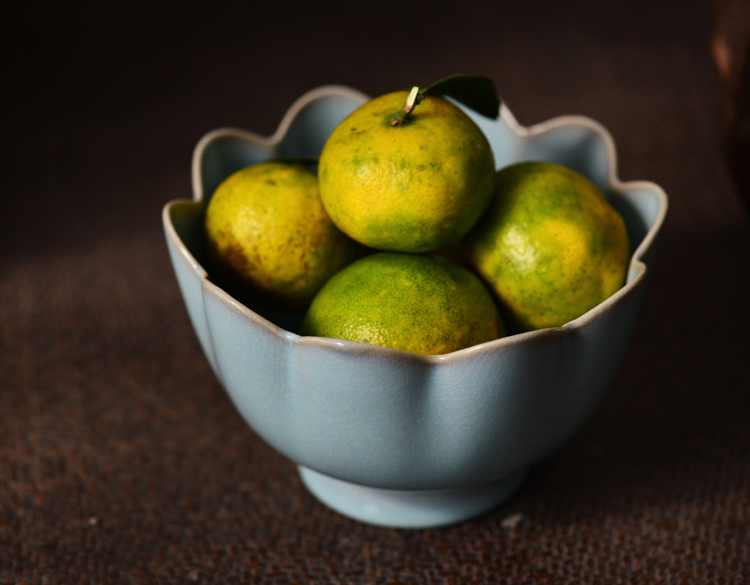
(389, 437)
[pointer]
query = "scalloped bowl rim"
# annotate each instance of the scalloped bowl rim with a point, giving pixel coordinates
(637, 266)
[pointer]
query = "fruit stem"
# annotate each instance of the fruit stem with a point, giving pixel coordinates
(411, 102)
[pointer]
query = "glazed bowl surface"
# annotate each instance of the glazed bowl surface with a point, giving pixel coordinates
(351, 414)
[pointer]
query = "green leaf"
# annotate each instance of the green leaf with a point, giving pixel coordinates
(474, 91)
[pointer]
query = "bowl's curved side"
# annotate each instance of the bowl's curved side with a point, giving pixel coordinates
(384, 418)
(380, 418)
(183, 222)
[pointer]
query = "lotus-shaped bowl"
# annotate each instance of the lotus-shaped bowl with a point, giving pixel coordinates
(394, 438)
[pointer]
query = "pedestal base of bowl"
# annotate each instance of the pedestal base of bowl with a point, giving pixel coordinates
(409, 508)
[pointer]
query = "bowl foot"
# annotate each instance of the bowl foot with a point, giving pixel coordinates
(409, 508)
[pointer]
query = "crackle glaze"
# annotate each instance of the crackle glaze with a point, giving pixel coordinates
(379, 419)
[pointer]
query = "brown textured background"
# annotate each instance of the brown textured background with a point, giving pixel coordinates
(122, 460)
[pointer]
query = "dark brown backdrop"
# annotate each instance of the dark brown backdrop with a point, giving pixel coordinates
(122, 460)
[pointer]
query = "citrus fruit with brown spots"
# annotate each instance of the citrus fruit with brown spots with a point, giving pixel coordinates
(413, 187)
(267, 230)
(550, 245)
(421, 304)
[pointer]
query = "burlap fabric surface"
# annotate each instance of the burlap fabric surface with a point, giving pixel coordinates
(121, 458)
